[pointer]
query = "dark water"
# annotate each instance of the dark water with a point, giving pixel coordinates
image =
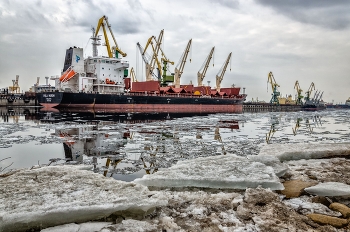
(128, 146)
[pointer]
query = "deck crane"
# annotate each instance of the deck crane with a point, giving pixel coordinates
(274, 85)
(309, 91)
(154, 60)
(181, 65)
(203, 70)
(148, 63)
(299, 90)
(221, 73)
(103, 21)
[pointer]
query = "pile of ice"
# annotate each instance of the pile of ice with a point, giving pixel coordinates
(306, 151)
(223, 171)
(330, 189)
(59, 195)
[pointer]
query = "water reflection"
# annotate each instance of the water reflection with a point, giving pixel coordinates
(128, 146)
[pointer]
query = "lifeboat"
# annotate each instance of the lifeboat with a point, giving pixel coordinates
(67, 75)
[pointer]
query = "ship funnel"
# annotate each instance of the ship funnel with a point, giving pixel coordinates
(47, 80)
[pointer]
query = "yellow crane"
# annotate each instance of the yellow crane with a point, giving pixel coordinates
(103, 21)
(221, 73)
(203, 70)
(181, 65)
(299, 90)
(308, 92)
(274, 85)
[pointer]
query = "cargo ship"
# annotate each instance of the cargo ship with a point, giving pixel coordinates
(103, 83)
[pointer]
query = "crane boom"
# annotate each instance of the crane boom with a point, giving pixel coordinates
(203, 70)
(221, 73)
(102, 22)
(181, 65)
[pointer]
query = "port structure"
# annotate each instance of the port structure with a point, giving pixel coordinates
(299, 91)
(203, 70)
(275, 94)
(103, 21)
(221, 73)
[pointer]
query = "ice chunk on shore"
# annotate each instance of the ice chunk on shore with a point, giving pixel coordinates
(223, 171)
(331, 189)
(279, 168)
(287, 152)
(57, 195)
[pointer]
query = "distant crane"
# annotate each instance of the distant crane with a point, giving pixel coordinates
(203, 70)
(274, 85)
(308, 92)
(221, 73)
(299, 90)
(15, 87)
(181, 65)
(149, 64)
(102, 22)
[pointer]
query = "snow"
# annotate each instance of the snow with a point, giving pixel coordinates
(222, 171)
(329, 189)
(305, 151)
(57, 195)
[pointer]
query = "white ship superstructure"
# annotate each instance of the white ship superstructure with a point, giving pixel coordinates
(95, 73)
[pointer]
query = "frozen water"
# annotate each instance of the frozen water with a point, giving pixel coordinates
(224, 171)
(329, 189)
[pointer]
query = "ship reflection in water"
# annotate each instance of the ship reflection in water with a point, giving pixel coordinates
(128, 146)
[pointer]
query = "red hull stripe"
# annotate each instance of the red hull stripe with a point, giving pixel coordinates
(171, 108)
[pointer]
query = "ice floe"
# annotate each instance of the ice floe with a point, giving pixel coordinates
(58, 195)
(306, 151)
(329, 189)
(223, 171)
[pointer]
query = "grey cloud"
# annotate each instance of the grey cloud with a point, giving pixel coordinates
(233, 4)
(329, 14)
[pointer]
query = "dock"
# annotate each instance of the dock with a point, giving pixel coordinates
(269, 107)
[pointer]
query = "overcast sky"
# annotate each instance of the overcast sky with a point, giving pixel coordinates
(308, 41)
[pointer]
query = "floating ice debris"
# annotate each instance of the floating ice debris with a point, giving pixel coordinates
(223, 171)
(306, 150)
(66, 194)
(330, 189)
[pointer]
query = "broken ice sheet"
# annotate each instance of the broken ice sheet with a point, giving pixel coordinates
(223, 171)
(65, 194)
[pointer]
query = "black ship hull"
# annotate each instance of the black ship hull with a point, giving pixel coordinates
(142, 102)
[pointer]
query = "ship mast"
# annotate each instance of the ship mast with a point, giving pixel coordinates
(95, 42)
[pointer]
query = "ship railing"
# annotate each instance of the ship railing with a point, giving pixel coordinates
(184, 95)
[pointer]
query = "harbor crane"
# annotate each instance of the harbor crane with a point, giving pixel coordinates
(103, 21)
(181, 65)
(203, 70)
(309, 91)
(15, 87)
(221, 73)
(299, 90)
(274, 85)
